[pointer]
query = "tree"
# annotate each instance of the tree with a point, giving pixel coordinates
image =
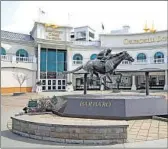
(21, 78)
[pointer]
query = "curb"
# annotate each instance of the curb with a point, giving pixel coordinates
(160, 118)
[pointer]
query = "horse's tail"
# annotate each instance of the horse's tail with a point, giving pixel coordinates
(72, 71)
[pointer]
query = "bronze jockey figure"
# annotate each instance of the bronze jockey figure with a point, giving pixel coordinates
(104, 55)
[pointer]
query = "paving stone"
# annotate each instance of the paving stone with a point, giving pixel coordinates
(153, 131)
(163, 123)
(150, 138)
(137, 140)
(145, 126)
(131, 136)
(141, 137)
(142, 134)
(147, 121)
(137, 125)
(153, 135)
(135, 130)
(163, 132)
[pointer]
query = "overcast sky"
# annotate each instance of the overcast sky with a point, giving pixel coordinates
(19, 16)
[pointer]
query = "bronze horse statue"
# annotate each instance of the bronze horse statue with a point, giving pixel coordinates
(107, 68)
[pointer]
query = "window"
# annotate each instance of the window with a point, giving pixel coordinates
(77, 59)
(91, 35)
(43, 58)
(159, 57)
(3, 51)
(81, 35)
(141, 57)
(93, 56)
(22, 53)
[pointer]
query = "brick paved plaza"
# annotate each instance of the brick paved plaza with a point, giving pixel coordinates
(138, 130)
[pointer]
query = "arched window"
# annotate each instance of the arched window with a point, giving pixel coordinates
(22, 53)
(77, 59)
(93, 56)
(3, 51)
(159, 57)
(141, 57)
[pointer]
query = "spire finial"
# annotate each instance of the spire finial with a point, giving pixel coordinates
(146, 29)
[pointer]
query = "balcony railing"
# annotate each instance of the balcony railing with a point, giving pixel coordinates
(25, 59)
(149, 60)
(14, 58)
(125, 62)
(87, 43)
(77, 62)
(5, 58)
(136, 62)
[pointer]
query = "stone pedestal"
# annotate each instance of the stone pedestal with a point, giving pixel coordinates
(38, 89)
(69, 88)
(166, 80)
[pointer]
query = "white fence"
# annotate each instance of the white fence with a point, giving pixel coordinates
(13, 58)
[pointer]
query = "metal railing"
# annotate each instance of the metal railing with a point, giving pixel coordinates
(24, 59)
(149, 60)
(14, 58)
(6, 58)
(87, 43)
(125, 62)
(77, 62)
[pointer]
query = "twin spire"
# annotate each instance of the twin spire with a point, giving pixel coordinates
(152, 29)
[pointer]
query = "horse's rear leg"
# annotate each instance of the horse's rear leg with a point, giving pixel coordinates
(109, 77)
(91, 79)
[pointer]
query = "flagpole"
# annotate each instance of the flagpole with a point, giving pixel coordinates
(69, 15)
(39, 15)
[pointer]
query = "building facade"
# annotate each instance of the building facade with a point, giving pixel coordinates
(50, 49)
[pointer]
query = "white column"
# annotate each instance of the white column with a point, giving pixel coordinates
(133, 83)
(38, 63)
(69, 64)
(166, 80)
(13, 58)
(69, 88)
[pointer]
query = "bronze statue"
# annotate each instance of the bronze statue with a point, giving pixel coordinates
(103, 55)
(104, 65)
